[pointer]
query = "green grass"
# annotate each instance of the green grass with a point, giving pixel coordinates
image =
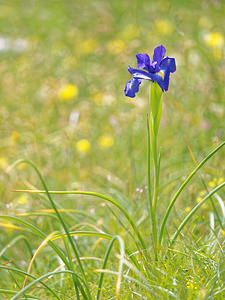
(95, 238)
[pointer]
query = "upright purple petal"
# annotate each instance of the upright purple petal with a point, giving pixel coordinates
(143, 61)
(159, 53)
(132, 87)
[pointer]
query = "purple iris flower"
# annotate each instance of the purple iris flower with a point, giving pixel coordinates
(157, 70)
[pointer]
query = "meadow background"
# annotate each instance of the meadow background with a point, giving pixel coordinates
(63, 67)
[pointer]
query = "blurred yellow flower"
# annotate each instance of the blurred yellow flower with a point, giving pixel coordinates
(22, 200)
(106, 141)
(223, 232)
(68, 92)
(116, 46)
(3, 162)
(220, 180)
(163, 27)
(213, 182)
(199, 199)
(214, 40)
(190, 285)
(83, 146)
(97, 98)
(130, 32)
(187, 209)
(14, 137)
(88, 46)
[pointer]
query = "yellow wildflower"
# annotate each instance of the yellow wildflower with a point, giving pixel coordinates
(199, 199)
(220, 180)
(88, 46)
(130, 32)
(14, 137)
(212, 183)
(187, 209)
(190, 285)
(116, 46)
(22, 199)
(3, 162)
(106, 141)
(83, 146)
(68, 92)
(97, 98)
(223, 232)
(214, 40)
(163, 27)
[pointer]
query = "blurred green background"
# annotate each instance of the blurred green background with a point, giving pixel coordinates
(63, 68)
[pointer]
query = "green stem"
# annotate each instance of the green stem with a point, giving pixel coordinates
(151, 211)
(155, 115)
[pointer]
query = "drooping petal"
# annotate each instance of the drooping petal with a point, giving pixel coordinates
(132, 87)
(169, 64)
(139, 74)
(159, 53)
(143, 61)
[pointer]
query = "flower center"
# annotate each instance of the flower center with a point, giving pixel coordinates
(161, 74)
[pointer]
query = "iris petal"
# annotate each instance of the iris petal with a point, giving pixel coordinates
(159, 53)
(158, 70)
(143, 61)
(132, 87)
(139, 73)
(168, 66)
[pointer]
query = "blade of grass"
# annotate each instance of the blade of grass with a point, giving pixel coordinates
(32, 276)
(106, 198)
(192, 212)
(42, 235)
(183, 186)
(9, 292)
(39, 279)
(57, 235)
(204, 184)
(14, 241)
(60, 218)
(122, 253)
(38, 232)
